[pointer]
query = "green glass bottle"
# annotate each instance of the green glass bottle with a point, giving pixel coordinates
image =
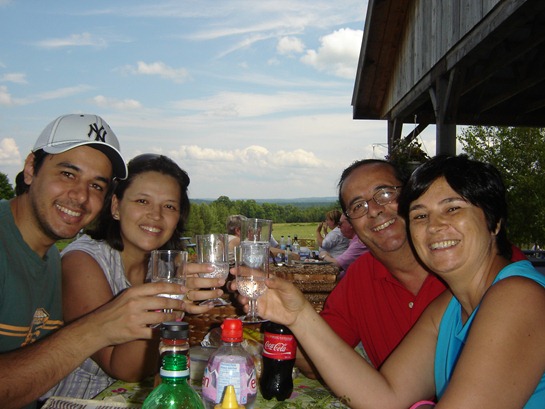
(174, 392)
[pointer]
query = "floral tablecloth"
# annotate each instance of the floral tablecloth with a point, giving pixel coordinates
(307, 394)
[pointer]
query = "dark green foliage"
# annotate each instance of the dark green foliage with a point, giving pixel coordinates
(6, 190)
(519, 154)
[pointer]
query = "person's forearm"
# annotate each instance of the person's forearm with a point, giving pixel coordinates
(327, 257)
(343, 369)
(319, 239)
(131, 361)
(303, 363)
(30, 371)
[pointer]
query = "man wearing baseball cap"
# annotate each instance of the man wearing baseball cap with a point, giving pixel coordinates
(60, 190)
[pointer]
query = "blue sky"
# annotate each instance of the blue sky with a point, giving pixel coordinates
(251, 98)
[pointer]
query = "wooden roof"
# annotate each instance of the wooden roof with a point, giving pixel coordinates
(494, 72)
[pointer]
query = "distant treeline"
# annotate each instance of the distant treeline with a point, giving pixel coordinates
(210, 217)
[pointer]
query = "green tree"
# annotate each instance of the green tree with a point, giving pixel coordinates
(519, 155)
(6, 190)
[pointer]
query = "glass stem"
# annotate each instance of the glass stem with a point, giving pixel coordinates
(253, 308)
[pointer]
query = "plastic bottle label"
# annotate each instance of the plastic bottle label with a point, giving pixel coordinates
(215, 381)
(279, 346)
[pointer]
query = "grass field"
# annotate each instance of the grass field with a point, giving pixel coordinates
(301, 230)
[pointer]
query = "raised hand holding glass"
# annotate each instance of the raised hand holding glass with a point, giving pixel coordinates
(252, 267)
(169, 266)
(213, 249)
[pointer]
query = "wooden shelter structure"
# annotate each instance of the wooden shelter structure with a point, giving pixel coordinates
(453, 62)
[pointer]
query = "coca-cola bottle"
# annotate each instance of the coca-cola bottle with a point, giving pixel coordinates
(279, 348)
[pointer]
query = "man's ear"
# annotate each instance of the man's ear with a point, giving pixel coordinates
(28, 170)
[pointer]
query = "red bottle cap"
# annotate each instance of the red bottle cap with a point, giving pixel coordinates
(231, 330)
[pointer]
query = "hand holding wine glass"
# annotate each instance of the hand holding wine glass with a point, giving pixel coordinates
(169, 266)
(213, 249)
(252, 266)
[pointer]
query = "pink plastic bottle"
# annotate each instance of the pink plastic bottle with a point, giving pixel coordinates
(230, 365)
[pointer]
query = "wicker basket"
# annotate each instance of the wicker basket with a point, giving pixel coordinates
(201, 324)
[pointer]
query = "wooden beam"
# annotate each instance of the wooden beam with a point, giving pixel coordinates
(395, 126)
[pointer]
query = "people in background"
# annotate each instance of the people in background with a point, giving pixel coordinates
(329, 237)
(278, 254)
(234, 226)
(480, 343)
(146, 211)
(61, 189)
(355, 249)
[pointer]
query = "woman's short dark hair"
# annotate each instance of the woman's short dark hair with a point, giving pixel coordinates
(398, 172)
(20, 185)
(108, 229)
(477, 182)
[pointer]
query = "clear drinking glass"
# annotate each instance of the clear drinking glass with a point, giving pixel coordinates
(169, 266)
(256, 230)
(252, 267)
(214, 249)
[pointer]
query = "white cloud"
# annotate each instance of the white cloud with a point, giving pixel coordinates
(9, 152)
(105, 102)
(54, 94)
(15, 77)
(338, 53)
(290, 45)
(74, 40)
(7, 99)
(160, 69)
(246, 42)
(253, 155)
(236, 104)
(5, 96)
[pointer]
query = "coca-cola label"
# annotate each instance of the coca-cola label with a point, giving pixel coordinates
(279, 346)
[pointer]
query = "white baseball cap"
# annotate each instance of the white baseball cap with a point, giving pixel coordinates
(73, 130)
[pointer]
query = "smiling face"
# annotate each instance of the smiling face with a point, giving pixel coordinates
(68, 191)
(381, 229)
(448, 232)
(149, 211)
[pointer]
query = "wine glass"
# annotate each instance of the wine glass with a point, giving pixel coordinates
(169, 266)
(252, 267)
(214, 249)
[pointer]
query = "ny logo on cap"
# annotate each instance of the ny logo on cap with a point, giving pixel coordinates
(100, 133)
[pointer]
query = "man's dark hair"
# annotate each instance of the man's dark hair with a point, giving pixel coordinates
(398, 172)
(20, 186)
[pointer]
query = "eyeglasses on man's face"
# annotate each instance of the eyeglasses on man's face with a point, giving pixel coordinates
(382, 197)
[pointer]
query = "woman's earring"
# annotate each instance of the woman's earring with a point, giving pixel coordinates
(115, 216)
